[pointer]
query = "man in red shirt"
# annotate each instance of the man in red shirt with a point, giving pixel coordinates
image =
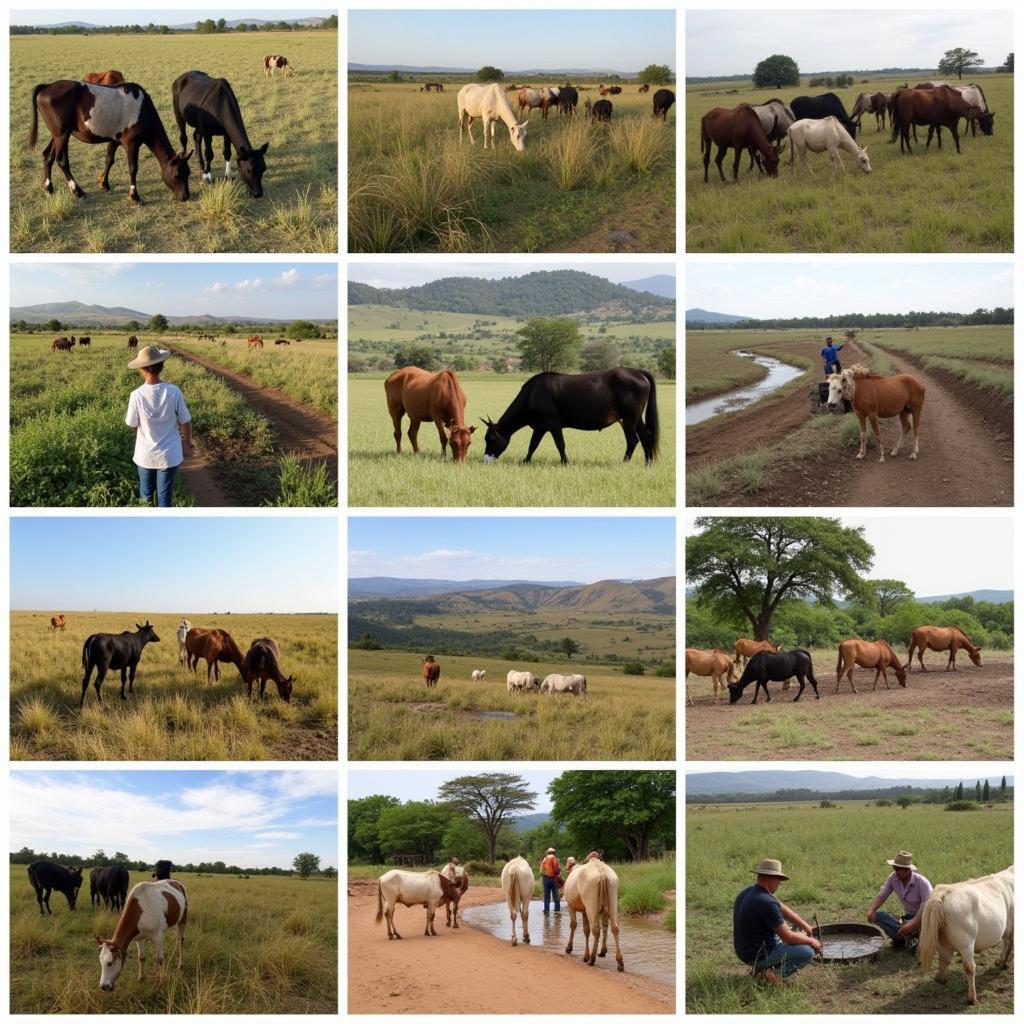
(550, 872)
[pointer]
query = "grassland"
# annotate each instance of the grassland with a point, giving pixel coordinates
(931, 201)
(263, 944)
(982, 357)
(836, 861)
(297, 116)
(394, 716)
(711, 369)
(173, 715)
(596, 474)
(415, 187)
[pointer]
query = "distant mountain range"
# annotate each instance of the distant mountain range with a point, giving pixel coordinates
(73, 314)
(525, 822)
(706, 316)
(371, 587)
(995, 596)
(183, 26)
(658, 284)
(436, 69)
(762, 781)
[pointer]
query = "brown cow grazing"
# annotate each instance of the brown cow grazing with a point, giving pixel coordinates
(254, 342)
(108, 77)
(423, 397)
(715, 663)
(431, 671)
(212, 645)
(62, 345)
(58, 622)
(875, 396)
(941, 638)
(275, 62)
(261, 663)
(133, 343)
(740, 129)
(876, 654)
(937, 108)
(646, 87)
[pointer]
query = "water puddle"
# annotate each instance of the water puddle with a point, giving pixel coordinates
(647, 948)
(779, 373)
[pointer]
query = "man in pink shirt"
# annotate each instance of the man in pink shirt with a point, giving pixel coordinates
(912, 889)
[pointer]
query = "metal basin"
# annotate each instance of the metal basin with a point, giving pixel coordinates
(846, 943)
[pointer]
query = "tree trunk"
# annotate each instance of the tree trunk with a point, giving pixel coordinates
(492, 842)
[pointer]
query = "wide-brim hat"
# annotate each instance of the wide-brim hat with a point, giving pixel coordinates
(770, 866)
(903, 859)
(550, 849)
(150, 356)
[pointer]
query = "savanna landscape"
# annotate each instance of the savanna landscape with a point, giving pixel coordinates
(296, 115)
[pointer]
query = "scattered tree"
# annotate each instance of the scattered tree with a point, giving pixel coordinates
(394, 76)
(886, 595)
(490, 800)
(776, 71)
(667, 362)
(568, 646)
(903, 801)
(986, 793)
(1008, 64)
(599, 355)
(656, 74)
(53, 325)
(157, 323)
(306, 863)
(302, 329)
(958, 60)
(489, 73)
(547, 344)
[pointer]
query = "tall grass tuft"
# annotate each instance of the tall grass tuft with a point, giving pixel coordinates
(305, 486)
(221, 204)
(640, 144)
(570, 155)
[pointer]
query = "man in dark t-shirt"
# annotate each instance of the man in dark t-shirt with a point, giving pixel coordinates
(761, 936)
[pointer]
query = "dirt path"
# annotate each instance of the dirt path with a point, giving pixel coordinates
(199, 477)
(484, 974)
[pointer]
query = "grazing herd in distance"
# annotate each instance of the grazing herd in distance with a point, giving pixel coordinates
(516, 681)
(67, 343)
(765, 663)
(820, 124)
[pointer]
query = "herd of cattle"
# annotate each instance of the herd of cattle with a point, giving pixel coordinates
(516, 681)
(103, 108)
(104, 652)
(67, 344)
(764, 662)
(820, 124)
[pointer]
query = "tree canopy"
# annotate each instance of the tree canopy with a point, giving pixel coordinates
(490, 800)
(776, 71)
(489, 73)
(656, 74)
(958, 60)
(547, 344)
(157, 323)
(306, 864)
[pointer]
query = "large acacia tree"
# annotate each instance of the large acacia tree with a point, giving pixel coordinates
(490, 801)
(745, 568)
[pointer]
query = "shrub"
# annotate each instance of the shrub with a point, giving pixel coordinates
(633, 668)
(962, 805)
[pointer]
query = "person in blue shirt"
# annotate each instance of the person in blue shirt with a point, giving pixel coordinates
(761, 936)
(830, 354)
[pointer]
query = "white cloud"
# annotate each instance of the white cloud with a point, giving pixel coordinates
(249, 284)
(278, 835)
(216, 288)
(285, 279)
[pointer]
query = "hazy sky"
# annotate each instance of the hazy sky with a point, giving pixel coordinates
(923, 770)
(514, 39)
(734, 41)
(766, 290)
(905, 545)
(584, 548)
(136, 14)
(405, 275)
(253, 819)
(187, 564)
(423, 785)
(285, 290)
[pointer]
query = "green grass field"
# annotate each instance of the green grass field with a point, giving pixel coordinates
(297, 116)
(394, 716)
(927, 202)
(836, 862)
(982, 356)
(262, 944)
(596, 474)
(579, 187)
(172, 715)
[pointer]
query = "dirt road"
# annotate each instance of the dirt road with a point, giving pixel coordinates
(468, 971)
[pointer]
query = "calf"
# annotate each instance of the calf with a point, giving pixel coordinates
(104, 651)
(46, 876)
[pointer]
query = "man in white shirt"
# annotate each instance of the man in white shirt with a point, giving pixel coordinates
(163, 427)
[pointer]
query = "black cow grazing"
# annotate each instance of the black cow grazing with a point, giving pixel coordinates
(209, 106)
(615, 90)
(567, 99)
(552, 402)
(46, 876)
(104, 651)
(162, 870)
(767, 667)
(663, 99)
(826, 105)
(108, 886)
(118, 114)
(281, 341)
(601, 110)
(85, 342)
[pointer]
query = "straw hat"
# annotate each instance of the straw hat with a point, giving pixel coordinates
(770, 866)
(550, 849)
(150, 356)
(903, 859)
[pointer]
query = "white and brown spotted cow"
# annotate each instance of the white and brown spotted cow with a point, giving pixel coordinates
(275, 62)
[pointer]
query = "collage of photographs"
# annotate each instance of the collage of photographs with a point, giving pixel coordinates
(400, 732)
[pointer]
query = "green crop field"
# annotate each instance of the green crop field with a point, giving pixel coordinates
(297, 116)
(578, 187)
(262, 944)
(394, 716)
(595, 475)
(835, 858)
(173, 715)
(930, 201)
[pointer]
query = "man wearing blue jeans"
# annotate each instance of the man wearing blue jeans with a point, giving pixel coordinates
(760, 935)
(911, 889)
(550, 874)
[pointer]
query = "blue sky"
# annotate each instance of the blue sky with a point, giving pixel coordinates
(514, 39)
(764, 290)
(285, 290)
(252, 818)
(423, 785)
(187, 564)
(579, 548)
(143, 16)
(726, 42)
(405, 275)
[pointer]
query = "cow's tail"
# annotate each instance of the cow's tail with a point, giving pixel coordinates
(33, 133)
(85, 653)
(932, 920)
(896, 121)
(839, 662)
(602, 897)
(651, 420)
(810, 665)
(705, 139)
(380, 904)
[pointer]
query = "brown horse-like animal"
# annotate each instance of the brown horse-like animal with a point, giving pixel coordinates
(937, 108)
(213, 646)
(424, 396)
(431, 671)
(255, 342)
(108, 77)
(941, 638)
(58, 622)
(133, 343)
(874, 396)
(739, 129)
(714, 663)
(746, 649)
(876, 654)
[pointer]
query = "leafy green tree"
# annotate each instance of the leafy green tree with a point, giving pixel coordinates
(306, 863)
(958, 60)
(490, 800)
(977, 791)
(776, 71)
(489, 73)
(599, 355)
(568, 646)
(463, 839)
(53, 325)
(903, 801)
(986, 793)
(416, 355)
(302, 329)
(363, 838)
(887, 595)
(656, 74)
(1008, 63)
(535, 841)
(746, 567)
(549, 344)
(329, 871)
(666, 363)
(416, 826)
(157, 323)
(394, 76)
(132, 326)
(960, 791)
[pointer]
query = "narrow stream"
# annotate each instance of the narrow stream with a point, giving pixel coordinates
(779, 373)
(647, 949)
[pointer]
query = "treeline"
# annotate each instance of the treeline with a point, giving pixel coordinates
(159, 324)
(841, 321)
(206, 27)
(980, 792)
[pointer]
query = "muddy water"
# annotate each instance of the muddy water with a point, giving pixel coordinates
(779, 373)
(647, 949)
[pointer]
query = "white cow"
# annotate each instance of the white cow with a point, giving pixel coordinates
(490, 104)
(967, 917)
(478, 675)
(151, 908)
(183, 627)
(592, 889)
(556, 683)
(427, 889)
(517, 886)
(456, 874)
(519, 682)
(824, 135)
